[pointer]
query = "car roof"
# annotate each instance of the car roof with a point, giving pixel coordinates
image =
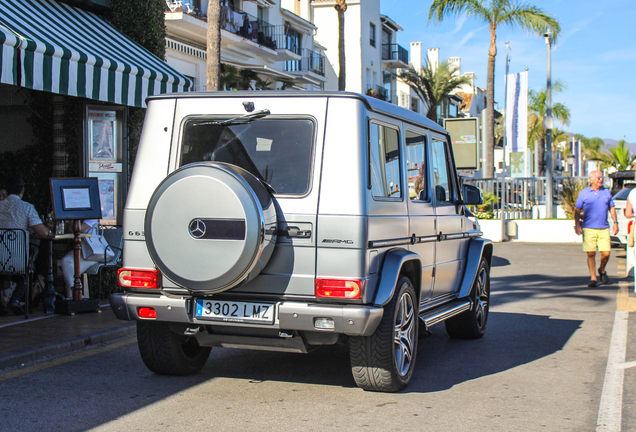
(371, 103)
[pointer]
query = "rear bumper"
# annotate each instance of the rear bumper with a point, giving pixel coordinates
(352, 320)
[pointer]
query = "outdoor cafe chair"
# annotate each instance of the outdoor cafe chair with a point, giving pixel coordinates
(14, 258)
(115, 239)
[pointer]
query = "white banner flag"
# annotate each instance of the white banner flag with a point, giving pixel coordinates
(517, 113)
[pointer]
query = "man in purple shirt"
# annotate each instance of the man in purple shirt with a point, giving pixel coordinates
(595, 201)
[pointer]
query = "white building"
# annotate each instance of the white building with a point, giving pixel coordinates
(468, 101)
(268, 37)
(371, 52)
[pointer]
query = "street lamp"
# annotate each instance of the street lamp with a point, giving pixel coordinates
(548, 125)
(570, 160)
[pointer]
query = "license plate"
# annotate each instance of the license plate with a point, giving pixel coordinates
(235, 311)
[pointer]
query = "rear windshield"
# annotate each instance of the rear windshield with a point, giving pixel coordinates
(277, 151)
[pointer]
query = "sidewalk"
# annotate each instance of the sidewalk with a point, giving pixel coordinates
(40, 336)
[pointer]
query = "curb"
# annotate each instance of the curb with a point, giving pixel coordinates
(26, 355)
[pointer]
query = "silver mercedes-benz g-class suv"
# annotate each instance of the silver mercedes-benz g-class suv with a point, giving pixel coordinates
(290, 220)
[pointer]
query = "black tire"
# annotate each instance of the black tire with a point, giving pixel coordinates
(472, 323)
(166, 353)
(385, 360)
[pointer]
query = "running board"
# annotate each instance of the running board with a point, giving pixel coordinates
(444, 312)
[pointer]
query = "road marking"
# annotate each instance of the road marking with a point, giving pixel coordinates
(625, 303)
(26, 321)
(67, 359)
(628, 365)
(611, 405)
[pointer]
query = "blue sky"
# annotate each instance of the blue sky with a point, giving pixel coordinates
(595, 56)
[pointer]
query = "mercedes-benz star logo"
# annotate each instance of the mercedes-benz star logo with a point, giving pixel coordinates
(197, 228)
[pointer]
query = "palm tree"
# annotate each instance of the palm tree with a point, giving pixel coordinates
(213, 69)
(514, 13)
(620, 157)
(536, 112)
(341, 7)
(434, 84)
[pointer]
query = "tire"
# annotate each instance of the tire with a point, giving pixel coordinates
(166, 353)
(385, 360)
(472, 323)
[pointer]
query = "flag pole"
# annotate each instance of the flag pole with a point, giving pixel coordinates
(503, 177)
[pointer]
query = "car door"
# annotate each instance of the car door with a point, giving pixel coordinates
(420, 206)
(448, 268)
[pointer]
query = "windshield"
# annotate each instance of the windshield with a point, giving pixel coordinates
(277, 151)
(622, 194)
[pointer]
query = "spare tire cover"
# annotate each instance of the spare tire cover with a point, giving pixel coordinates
(209, 224)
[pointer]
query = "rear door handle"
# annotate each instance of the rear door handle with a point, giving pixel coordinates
(292, 231)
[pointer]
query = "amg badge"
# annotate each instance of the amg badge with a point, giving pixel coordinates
(337, 241)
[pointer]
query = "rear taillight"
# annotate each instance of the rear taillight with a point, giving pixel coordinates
(146, 312)
(339, 288)
(630, 226)
(129, 278)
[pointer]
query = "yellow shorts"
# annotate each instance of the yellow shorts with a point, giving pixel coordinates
(593, 237)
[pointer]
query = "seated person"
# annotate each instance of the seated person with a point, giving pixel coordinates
(418, 185)
(15, 213)
(68, 262)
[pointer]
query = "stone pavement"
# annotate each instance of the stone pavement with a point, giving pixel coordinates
(41, 336)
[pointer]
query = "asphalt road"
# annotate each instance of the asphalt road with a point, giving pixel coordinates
(541, 366)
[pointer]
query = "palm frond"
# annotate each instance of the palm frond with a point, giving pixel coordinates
(530, 17)
(443, 8)
(569, 194)
(594, 144)
(434, 84)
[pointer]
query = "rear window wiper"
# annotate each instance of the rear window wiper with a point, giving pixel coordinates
(244, 119)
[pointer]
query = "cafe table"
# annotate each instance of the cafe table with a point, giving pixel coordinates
(49, 294)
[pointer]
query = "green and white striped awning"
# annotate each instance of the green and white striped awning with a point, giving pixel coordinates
(58, 48)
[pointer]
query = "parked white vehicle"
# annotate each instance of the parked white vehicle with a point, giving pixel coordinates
(620, 201)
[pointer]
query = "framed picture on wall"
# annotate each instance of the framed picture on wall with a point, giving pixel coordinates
(108, 187)
(102, 133)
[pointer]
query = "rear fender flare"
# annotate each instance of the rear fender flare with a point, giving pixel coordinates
(478, 248)
(397, 262)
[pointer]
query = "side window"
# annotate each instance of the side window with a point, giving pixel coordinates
(416, 166)
(443, 188)
(372, 34)
(384, 160)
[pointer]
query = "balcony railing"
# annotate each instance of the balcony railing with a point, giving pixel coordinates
(377, 92)
(395, 52)
(287, 38)
(311, 61)
(248, 26)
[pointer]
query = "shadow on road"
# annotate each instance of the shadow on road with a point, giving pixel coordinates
(499, 261)
(511, 340)
(120, 380)
(510, 289)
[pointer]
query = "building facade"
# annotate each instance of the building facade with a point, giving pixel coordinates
(371, 51)
(268, 43)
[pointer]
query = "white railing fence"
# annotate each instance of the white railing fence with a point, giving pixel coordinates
(525, 196)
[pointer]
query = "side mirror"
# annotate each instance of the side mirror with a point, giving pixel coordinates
(472, 195)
